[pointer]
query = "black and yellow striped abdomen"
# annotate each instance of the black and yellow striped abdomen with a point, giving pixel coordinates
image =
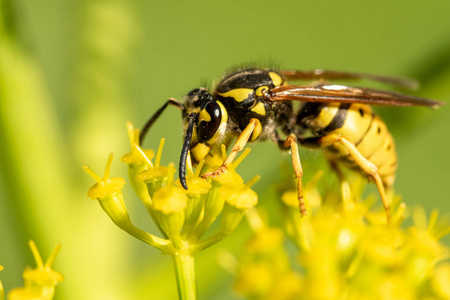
(358, 124)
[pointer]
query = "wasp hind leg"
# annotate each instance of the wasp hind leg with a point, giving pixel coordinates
(366, 165)
(343, 182)
(240, 143)
(291, 142)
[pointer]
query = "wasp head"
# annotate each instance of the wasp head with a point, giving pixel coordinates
(205, 122)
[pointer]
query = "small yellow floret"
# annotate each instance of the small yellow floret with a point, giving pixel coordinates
(311, 194)
(290, 198)
(155, 171)
(196, 184)
(266, 241)
(229, 175)
(43, 272)
(24, 294)
(441, 281)
(254, 281)
(154, 174)
(105, 187)
(244, 200)
(39, 282)
(135, 157)
(170, 200)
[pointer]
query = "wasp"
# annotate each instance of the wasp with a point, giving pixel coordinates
(257, 104)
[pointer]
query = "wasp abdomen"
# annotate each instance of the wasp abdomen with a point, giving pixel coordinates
(359, 125)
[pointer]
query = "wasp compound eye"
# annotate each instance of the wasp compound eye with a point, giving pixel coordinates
(209, 121)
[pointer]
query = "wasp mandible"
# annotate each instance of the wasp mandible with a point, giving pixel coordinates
(257, 105)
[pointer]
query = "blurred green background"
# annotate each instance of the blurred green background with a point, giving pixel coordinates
(73, 72)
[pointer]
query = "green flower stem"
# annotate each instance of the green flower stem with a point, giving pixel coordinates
(208, 242)
(185, 273)
(231, 217)
(193, 211)
(213, 207)
(157, 242)
(152, 214)
(141, 190)
(139, 187)
(172, 225)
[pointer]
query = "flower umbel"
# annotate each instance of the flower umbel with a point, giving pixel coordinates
(183, 217)
(264, 270)
(108, 192)
(346, 251)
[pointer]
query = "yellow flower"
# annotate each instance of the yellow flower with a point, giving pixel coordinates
(441, 281)
(346, 250)
(108, 192)
(264, 270)
(137, 163)
(39, 282)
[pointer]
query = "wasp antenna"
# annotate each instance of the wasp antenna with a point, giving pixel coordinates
(156, 115)
(184, 152)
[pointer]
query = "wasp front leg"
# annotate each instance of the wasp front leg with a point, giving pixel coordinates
(366, 165)
(251, 132)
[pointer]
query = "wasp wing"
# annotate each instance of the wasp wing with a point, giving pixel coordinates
(320, 74)
(346, 94)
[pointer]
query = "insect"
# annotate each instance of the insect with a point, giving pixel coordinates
(257, 104)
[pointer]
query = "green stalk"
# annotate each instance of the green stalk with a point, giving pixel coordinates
(185, 273)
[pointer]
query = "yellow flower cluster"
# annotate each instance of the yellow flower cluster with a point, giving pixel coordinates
(346, 251)
(182, 216)
(40, 282)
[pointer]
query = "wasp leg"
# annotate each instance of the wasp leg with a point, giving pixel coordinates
(291, 142)
(343, 182)
(146, 128)
(240, 143)
(336, 169)
(363, 162)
